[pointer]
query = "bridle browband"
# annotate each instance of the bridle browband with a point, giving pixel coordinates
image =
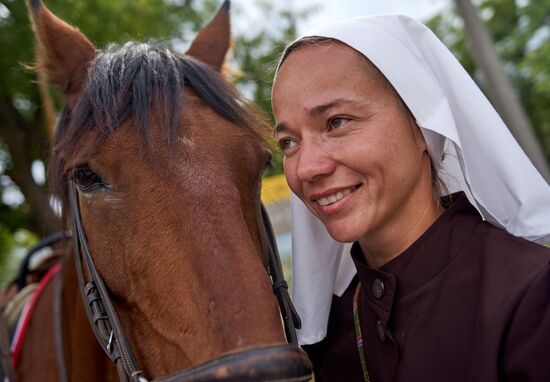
(270, 363)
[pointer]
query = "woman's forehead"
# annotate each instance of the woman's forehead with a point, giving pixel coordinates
(322, 53)
(310, 70)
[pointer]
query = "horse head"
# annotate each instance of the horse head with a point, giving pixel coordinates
(166, 160)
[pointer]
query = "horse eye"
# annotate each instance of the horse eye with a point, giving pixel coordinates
(86, 179)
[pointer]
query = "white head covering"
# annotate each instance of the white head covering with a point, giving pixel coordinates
(481, 156)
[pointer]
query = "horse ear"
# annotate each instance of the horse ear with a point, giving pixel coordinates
(212, 43)
(62, 51)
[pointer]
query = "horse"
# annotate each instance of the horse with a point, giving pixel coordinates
(157, 165)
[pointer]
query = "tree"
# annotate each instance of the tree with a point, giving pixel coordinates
(521, 32)
(24, 141)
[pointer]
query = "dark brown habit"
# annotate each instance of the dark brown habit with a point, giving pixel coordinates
(465, 302)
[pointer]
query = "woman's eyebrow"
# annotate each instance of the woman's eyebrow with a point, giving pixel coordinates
(281, 127)
(320, 109)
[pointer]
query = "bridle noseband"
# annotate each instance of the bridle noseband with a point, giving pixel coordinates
(252, 365)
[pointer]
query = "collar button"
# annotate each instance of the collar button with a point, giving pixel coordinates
(378, 289)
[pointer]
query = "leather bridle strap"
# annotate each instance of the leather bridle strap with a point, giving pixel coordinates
(280, 287)
(99, 309)
(46, 242)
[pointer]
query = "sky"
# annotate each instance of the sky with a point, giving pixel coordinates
(335, 9)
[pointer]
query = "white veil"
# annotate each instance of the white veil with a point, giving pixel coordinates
(467, 140)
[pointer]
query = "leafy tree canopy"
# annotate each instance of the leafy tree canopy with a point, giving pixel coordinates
(521, 32)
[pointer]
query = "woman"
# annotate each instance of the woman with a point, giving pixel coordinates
(378, 121)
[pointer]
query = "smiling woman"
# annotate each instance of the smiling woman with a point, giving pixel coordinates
(370, 112)
(355, 130)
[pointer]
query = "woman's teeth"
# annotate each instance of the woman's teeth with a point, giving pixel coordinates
(325, 201)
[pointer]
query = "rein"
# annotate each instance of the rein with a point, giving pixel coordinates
(271, 363)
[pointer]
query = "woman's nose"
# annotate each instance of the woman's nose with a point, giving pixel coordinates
(314, 161)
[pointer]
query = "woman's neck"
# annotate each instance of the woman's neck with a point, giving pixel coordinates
(386, 244)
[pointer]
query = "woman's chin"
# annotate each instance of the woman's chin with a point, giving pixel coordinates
(343, 234)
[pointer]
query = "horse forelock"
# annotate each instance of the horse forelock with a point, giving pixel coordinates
(141, 81)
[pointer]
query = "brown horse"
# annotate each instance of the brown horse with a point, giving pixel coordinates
(166, 160)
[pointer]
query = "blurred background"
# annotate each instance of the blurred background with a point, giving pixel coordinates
(504, 44)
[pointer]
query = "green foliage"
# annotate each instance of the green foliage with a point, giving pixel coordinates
(13, 246)
(6, 245)
(521, 33)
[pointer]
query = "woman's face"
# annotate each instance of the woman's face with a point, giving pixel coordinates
(351, 154)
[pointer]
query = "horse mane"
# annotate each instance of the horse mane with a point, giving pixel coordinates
(139, 80)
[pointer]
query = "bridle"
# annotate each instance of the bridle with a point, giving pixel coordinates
(286, 362)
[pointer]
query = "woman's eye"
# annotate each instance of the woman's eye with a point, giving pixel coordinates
(337, 122)
(286, 143)
(87, 180)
